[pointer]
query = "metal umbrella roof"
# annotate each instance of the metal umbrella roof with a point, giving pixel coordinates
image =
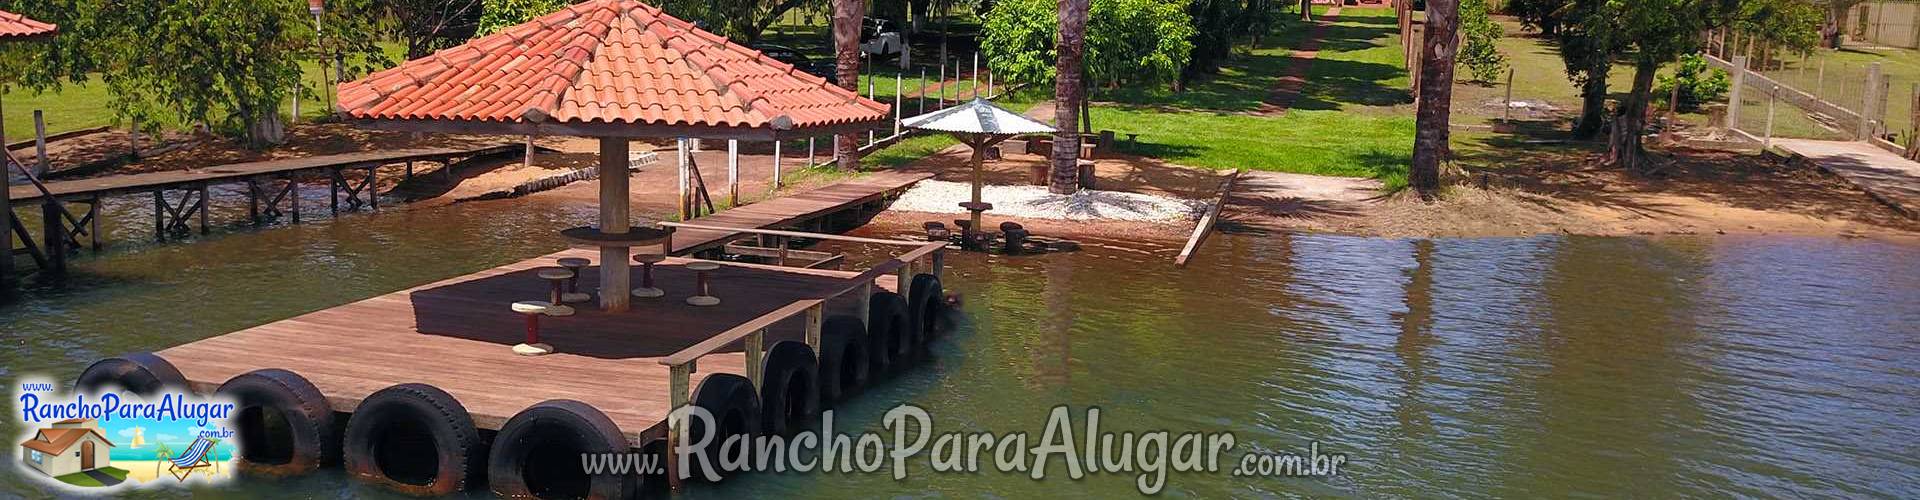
(978, 116)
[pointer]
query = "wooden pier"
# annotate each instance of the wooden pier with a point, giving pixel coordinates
(180, 198)
(796, 208)
(457, 335)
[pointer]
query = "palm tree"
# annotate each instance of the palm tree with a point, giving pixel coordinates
(1435, 101)
(1068, 96)
(846, 48)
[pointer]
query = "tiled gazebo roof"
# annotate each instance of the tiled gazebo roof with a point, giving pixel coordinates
(608, 68)
(15, 27)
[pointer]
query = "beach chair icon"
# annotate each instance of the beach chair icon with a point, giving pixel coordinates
(194, 459)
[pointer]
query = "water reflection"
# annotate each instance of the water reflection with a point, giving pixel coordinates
(1513, 367)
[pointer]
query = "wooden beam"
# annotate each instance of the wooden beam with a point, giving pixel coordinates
(1206, 221)
(615, 279)
(7, 281)
(739, 332)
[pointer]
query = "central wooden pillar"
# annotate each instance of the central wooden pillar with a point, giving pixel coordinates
(615, 281)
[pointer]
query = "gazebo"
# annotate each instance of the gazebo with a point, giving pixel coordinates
(980, 124)
(616, 70)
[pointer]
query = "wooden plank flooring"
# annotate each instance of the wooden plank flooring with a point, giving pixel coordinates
(121, 184)
(792, 208)
(456, 334)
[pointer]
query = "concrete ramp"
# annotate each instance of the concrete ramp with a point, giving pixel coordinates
(1889, 178)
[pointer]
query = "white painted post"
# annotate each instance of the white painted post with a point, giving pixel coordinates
(776, 164)
(896, 104)
(942, 87)
(682, 151)
(1867, 101)
(1772, 97)
(922, 106)
(976, 74)
(1739, 87)
(733, 172)
(811, 156)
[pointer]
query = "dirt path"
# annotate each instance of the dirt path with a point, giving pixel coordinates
(1288, 86)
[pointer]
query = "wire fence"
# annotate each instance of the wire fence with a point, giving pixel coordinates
(1813, 96)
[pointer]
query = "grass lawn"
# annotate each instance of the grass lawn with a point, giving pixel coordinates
(1354, 117)
(83, 480)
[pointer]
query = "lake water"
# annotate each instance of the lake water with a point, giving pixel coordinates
(1536, 367)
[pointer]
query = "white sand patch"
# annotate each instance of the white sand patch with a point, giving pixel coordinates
(943, 197)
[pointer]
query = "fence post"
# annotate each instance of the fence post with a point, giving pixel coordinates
(1772, 97)
(896, 104)
(1868, 100)
(941, 87)
(776, 164)
(1733, 96)
(1913, 124)
(733, 172)
(1506, 111)
(42, 163)
(1820, 81)
(921, 108)
(811, 157)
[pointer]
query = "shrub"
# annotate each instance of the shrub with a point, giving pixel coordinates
(1483, 60)
(1699, 83)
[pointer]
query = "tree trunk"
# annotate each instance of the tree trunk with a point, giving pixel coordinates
(1593, 99)
(1306, 10)
(1830, 28)
(1068, 96)
(1624, 149)
(846, 48)
(1435, 108)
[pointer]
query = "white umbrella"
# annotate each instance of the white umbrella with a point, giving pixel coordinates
(979, 124)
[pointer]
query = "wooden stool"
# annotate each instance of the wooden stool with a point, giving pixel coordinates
(573, 295)
(559, 278)
(703, 296)
(532, 310)
(646, 289)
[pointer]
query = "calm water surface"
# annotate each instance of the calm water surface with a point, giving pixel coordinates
(1552, 366)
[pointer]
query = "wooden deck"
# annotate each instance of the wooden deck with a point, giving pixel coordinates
(137, 183)
(457, 334)
(793, 208)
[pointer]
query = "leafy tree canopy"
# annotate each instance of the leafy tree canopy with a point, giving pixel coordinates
(1133, 41)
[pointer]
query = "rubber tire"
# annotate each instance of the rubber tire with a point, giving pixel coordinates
(844, 363)
(928, 306)
(314, 436)
(735, 407)
(142, 373)
(456, 445)
(654, 485)
(789, 367)
(888, 324)
(577, 428)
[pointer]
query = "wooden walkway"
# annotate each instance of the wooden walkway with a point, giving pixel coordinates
(457, 335)
(791, 209)
(140, 183)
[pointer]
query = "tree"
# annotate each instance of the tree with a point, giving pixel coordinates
(1831, 32)
(1127, 41)
(429, 25)
(1657, 32)
(496, 15)
(846, 48)
(1434, 106)
(171, 61)
(1482, 57)
(1069, 92)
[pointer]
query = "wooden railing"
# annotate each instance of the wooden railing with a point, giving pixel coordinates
(752, 333)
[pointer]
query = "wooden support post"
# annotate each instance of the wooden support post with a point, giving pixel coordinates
(372, 186)
(159, 215)
(903, 283)
(733, 172)
(203, 207)
(756, 354)
(54, 234)
(334, 181)
(939, 263)
(93, 221)
(679, 395)
(615, 286)
(528, 160)
(253, 201)
(42, 163)
(866, 304)
(814, 316)
(7, 281)
(293, 196)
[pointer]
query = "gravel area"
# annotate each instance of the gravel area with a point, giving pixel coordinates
(1035, 202)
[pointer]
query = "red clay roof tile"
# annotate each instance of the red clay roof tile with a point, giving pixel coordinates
(606, 61)
(16, 26)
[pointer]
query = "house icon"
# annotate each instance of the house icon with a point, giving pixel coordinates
(69, 446)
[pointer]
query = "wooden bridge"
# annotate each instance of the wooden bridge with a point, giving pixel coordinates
(181, 197)
(799, 208)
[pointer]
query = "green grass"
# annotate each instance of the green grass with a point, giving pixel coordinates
(1353, 117)
(83, 480)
